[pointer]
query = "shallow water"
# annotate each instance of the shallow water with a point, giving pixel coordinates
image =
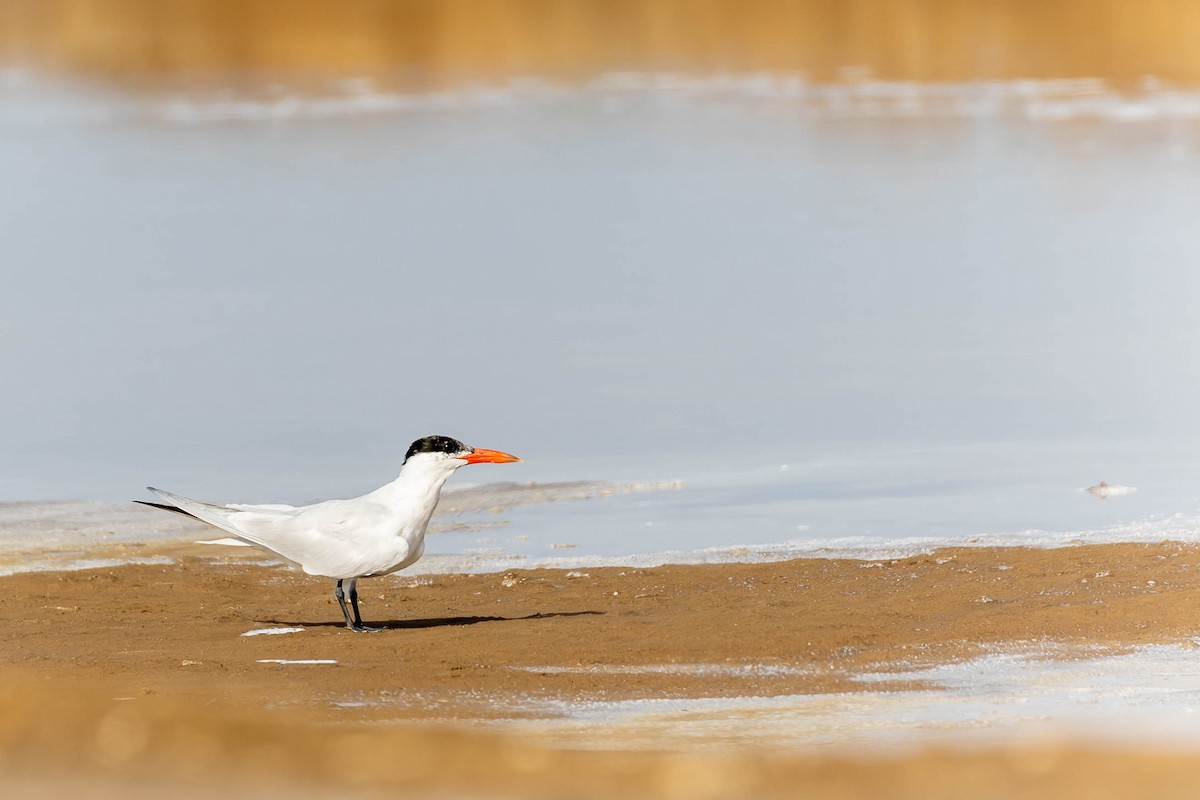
(844, 317)
(865, 503)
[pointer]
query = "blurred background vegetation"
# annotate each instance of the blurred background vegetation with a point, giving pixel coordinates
(440, 42)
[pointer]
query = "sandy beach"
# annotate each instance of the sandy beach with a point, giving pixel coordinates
(133, 678)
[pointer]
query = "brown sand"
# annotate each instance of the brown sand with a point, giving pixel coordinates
(131, 678)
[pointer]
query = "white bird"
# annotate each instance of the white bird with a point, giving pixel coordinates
(376, 534)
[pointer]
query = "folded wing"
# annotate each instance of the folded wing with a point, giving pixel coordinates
(332, 538)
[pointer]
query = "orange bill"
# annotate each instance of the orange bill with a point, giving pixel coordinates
(481, 456)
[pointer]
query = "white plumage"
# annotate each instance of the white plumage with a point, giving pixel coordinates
(376, 534)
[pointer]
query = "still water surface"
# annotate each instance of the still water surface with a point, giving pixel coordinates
(879, 313)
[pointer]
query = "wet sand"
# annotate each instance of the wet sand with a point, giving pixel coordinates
(127, 679)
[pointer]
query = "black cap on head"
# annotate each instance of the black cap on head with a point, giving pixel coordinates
(436, 444)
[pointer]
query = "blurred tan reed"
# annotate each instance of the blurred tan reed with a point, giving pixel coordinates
(432, 42)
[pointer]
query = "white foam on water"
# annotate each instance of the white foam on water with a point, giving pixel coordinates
(271, 631)
(1042, 100)
(36, 99)
(1148, 696)
(698, 670)
(75, 563)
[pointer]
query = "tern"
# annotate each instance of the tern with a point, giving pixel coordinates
(376, 534)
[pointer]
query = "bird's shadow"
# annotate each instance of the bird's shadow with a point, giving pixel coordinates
(431, 622)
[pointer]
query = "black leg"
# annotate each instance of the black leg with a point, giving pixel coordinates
(341, 598)
(354, 601)
(358, 623)
(355, 622)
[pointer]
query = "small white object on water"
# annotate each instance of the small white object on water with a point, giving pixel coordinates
(271, 631)
(1104, 491)
(295, 661)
